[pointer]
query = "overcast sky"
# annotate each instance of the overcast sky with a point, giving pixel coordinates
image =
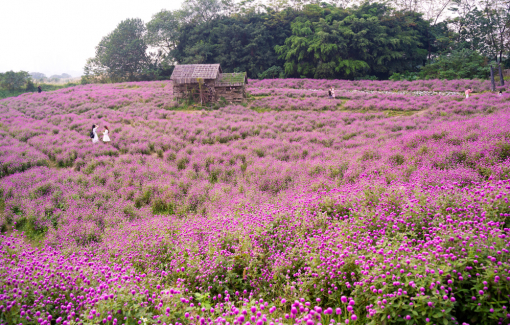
(57, 36)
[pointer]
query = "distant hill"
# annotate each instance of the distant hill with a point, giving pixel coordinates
(37, 75)
(62, 76)
(55, 78)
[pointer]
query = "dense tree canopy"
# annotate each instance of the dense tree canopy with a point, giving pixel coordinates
(122, 54)
(11, 80)
(244, 43)
(371, 39)
(461, 64)
(305, 38)
(483, 28)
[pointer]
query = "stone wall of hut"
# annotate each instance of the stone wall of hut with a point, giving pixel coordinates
(232, 94)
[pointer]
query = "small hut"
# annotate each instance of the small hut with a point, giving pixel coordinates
(208, 84)
(232, 86)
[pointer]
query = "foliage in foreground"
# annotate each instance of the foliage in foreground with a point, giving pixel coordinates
(366, 257)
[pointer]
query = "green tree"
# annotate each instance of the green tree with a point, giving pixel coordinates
(30, 86)
(163, 32)
(271, 73)
(94, 72)
(348, 43)
(497, 13)
(201, 11)
(239, 43)
(122, 54)
(460, 64)
(308, 38)
(11, 80)
(482, 26)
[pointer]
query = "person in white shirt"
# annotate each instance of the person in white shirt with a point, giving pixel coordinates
(95, 139)
(106, 138)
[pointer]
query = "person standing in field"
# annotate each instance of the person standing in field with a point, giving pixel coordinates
(332, 92)
(39, 90)
(93, 134)
(106, 138)
(467, 92)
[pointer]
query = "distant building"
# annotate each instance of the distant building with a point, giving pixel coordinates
(208, 84)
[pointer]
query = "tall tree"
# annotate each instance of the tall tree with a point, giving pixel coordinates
(432, 10)
(459, 64)
(497, 14)
(122, 54)
(163, 32)
(483, 26)
(11, 80)
(352, 43)
(201, 11)
(238, 43)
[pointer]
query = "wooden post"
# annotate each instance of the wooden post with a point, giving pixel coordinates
(201, 90)
(493, 82)
(501, 80)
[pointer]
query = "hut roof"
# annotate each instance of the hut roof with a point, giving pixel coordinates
(232, 79)
(189, 73)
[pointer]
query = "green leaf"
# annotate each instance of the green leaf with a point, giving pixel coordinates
(438, 315)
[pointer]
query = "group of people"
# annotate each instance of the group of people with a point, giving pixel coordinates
(469, 91)
(95, 137)
(331, 92)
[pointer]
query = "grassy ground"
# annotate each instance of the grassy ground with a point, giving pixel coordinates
(4, 93)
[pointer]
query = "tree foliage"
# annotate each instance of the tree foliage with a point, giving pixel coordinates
(11, 80)
(483, 27)
(461, 64)
(309, 38)
(345, 43)
(122, 54)
(272, 73)
(244, 43)
(163, 31)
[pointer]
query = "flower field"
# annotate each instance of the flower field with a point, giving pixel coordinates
(376, 207)
(369, 85)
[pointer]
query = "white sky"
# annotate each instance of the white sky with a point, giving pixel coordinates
(58, 36)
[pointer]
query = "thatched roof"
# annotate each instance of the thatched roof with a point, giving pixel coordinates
(189, 73)
(232, 79)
